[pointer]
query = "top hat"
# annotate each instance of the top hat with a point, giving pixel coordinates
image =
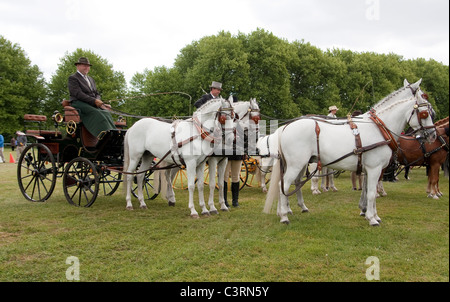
(216, 85)
(332, 108)
(84, 61)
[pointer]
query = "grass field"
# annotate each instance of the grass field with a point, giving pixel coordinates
(330, 243)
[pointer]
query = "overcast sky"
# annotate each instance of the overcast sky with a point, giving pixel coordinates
(133, 35)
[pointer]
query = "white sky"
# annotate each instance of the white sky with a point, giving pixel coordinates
(133, 35)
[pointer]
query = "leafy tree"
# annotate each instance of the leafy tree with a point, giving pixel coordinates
(148, 96)
(271, 60)
(314, 79)
(22, 87)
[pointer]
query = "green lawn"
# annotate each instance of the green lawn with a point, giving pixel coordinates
(330, 243)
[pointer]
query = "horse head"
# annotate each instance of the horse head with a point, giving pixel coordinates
(421, 116)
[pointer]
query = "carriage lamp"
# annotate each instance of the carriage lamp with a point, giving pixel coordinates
(57, 118)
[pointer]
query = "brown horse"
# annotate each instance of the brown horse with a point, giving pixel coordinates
(415, 152)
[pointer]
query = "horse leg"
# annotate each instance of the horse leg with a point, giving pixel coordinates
(314, 181)
(291, 174)
(324, 179)
(170, 194)
(145, 164)
(201, 186)
(221, 179)
(331, 178)
(363, 198)
(380, 189)
(300, 200)
(190, 171)
(262, 178)
(433, 179)
(212, 165)
(371, 213)
(129, 182)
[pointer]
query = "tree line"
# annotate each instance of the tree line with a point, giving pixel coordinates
(288, 79)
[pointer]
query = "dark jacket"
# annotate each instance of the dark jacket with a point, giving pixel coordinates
(79, 89)
(205, 98)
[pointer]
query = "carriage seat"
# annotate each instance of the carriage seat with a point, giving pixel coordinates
(70, 113)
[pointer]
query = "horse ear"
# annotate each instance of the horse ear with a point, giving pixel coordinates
(416, 85)
(230, 99)
(405, 83)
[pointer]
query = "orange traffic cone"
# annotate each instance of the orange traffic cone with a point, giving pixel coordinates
(11, 158)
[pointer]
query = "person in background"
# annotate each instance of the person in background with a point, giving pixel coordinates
(13, 143)
(214, 93)
(328, 182)
(21, 143)
(85, 97)
(233, 168)
(2, 145)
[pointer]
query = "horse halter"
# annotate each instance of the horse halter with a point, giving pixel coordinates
(254, 117)
(421, 115)
(222, 114)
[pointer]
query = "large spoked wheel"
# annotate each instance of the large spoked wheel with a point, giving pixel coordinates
(109, 181)
(148, 189)
(244, 175)
(81, 182)
(36, 172)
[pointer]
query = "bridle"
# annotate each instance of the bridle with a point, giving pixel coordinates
(421, 114)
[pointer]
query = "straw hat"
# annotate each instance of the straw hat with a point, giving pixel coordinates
(332, 108)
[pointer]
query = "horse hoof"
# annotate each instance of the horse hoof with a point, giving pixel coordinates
(362, 214)
(171, 204)
(285, 220)
(195, 216)
(205, 213)
(129, 208)
(225, 209)
(144, 207)
(305, 211)
(215, 212)
(375, 224)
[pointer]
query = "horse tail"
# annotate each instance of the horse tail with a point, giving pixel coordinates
(126, 161)
(274, 188)
(275, 179)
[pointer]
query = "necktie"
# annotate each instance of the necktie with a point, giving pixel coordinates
(89, 83)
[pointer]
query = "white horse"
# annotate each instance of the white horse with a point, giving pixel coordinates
(184, 142)
(299, 144)
(268, 151)
(247, 116)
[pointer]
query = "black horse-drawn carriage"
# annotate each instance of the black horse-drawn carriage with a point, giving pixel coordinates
(88, 165)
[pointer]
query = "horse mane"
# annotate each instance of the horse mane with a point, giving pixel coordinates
(442, 122)
(210, 103)
(388, 98)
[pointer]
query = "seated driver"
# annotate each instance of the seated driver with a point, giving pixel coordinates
(85, 97)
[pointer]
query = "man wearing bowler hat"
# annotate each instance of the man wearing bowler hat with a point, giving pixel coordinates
(215, 90)
(85, 97)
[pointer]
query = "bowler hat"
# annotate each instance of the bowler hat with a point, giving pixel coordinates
(84, 61)
(216, 85)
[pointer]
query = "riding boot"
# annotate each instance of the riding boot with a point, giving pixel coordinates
(225, 191)
(235, 194)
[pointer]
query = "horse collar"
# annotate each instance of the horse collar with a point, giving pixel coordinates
(388, 136)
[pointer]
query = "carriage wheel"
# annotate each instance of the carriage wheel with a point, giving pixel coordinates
(36, 172)
(148, 189)
(81, 182)
(244, 175)
(109, 181)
